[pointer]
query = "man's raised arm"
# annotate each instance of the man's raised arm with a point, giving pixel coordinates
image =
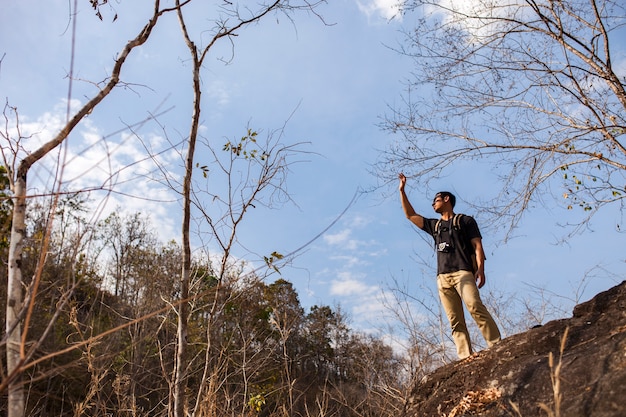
(409, 211)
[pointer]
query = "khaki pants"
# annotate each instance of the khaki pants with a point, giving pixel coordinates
(453, 288)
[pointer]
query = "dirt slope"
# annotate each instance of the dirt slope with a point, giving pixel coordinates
(514, 378)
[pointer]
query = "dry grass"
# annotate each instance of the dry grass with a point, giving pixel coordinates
(555, 378)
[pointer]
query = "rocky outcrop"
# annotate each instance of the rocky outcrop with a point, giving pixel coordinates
(572, 367)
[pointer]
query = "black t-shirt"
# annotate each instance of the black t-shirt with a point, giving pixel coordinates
(454, 247)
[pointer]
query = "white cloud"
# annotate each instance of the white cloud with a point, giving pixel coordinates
(387, 9)
(370, 307)
(349, 261)
(466, 14)
(90, 162)
(344, 240)
(337, 238)
(221, 93)
(349, 285)
(360, 221)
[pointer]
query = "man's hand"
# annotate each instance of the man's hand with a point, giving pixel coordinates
(402, 181)
(409, 211)
(477, 243)
(480, 279)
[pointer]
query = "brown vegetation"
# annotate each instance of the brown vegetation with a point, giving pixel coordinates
(253, 350)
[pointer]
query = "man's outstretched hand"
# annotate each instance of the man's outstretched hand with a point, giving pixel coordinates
(402, 181)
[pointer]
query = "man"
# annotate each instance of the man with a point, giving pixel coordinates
(457, 277)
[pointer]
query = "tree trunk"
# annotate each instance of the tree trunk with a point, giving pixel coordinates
(183, 310)
(15, 285)
(14, 301)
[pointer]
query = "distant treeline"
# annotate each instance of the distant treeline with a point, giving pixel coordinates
(253, 349)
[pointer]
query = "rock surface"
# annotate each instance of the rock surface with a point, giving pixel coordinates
(585, 378)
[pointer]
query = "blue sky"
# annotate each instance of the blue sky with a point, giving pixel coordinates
(331, 85)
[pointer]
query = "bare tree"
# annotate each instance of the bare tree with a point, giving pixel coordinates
(18, 312)
(232, 20)
(529, 86)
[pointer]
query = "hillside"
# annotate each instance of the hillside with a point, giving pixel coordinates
(514, 378)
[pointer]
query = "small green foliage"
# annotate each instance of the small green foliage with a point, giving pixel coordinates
(256, 402)
(204, 168)
(269, 260)
(241, 148)
(575, 187)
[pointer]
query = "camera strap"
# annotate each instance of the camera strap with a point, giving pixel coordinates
(456, 225)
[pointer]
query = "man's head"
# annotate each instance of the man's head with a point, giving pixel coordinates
(442, 198)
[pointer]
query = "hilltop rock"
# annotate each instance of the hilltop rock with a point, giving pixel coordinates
(515, 377)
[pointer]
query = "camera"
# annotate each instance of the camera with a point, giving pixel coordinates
(444, 247)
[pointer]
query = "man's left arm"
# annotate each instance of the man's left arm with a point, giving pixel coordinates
(477, 243)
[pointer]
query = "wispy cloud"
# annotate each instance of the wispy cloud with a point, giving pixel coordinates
(89, 161)
(339, 238)
(344, 240)
(387, 9)
(349, 284)
(456, 13)
(347, 260)
(221, 93)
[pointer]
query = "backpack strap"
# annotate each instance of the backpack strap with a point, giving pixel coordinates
(456, 221)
